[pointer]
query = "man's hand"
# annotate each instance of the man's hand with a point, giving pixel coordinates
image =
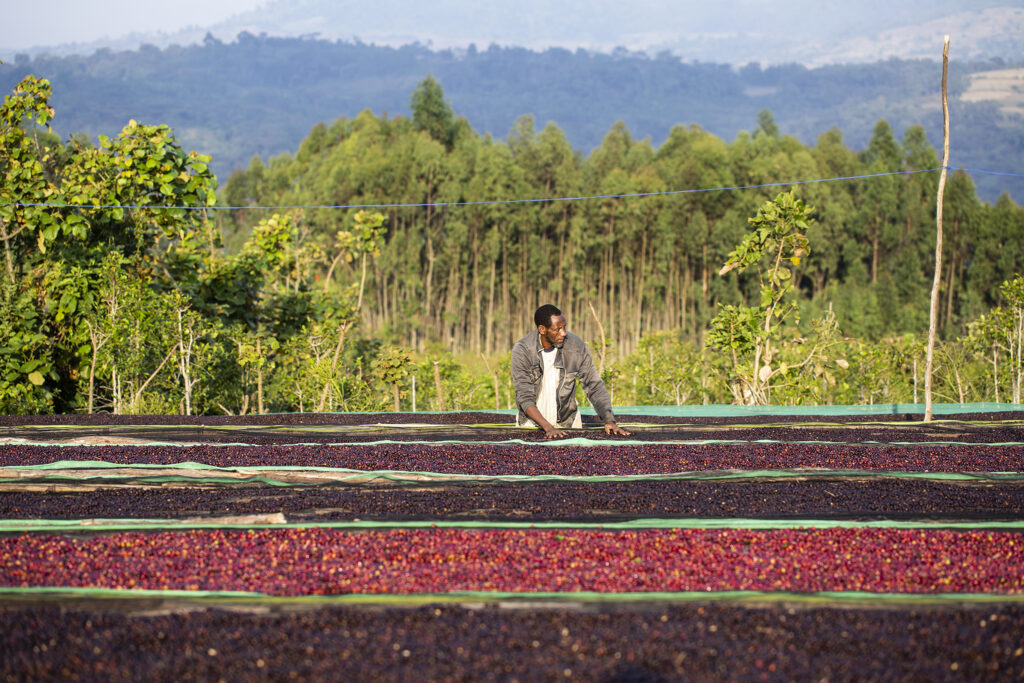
(555, 433)
(550, 431)
(612, 428)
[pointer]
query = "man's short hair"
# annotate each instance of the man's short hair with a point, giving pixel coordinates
(544, 315)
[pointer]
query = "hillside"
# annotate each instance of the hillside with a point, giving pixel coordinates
(809, 32)
(261, 95)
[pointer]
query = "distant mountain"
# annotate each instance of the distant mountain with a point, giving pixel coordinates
(262, 95)
(810, 32)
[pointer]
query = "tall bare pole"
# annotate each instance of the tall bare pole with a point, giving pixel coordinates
(933, 318)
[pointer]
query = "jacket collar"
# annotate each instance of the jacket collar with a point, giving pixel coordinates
(539, 348)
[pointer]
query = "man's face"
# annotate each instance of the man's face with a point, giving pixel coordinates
(554, 334)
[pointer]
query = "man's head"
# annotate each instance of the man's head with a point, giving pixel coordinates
(551, 326)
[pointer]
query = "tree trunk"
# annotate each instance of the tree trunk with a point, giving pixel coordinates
(874, 250)
(684, 295)
(243, 380)
(705, 278)
(115, 387)
(604, 343)
(639, 293)
(477, 303)
(438, 388)
(97, 343)
(342, 334)
(950, 285)
(6, 236)
(259, 376)
(1017, 364)
(185, 363)
(428, 300)
(507, 304)
(995, 375)
(489, 320)
(362, 283)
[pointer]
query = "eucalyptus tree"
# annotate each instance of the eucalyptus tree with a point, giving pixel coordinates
(695, 163)
(431, 112)
(961, 211)
(995, 258)
(836, 211)
(879, 199)
(495, 176)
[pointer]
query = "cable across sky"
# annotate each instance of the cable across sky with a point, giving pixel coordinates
(505, 201)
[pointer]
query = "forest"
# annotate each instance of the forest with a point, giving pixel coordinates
(133, 284)
(260, 95)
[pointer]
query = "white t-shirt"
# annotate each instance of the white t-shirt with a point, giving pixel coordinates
(547, 397)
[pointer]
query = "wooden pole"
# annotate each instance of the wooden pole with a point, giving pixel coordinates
(934, 312)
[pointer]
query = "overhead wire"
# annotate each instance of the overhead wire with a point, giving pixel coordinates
(537, 200)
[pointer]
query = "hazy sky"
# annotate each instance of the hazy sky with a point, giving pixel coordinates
(25, 24)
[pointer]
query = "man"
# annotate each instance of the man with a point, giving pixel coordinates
(546, 364)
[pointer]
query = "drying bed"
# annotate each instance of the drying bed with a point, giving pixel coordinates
(493, 459)
(709, 642)
(843, 547)
(799, 498)
(318, 561)
(878, 433)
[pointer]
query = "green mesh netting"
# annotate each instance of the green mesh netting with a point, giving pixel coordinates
(86, 470)
(59, 525)
(851, 598)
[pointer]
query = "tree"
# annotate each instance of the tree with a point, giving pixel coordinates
(879, 201)
(766, 124)
(63, 210)
(392, 367)
(1002, 329)
(362, 241)
(775, 247)
(431, 112)
(24, 187)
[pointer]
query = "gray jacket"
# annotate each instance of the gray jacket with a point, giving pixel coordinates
(573, 363)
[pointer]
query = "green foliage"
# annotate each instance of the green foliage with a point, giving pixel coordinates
(431, 112)
(26, 362)
(1002, 331)
(392, 367)
(129, 304)
(23, 181)
(777, 242)
(665, 369)
(736, 329)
